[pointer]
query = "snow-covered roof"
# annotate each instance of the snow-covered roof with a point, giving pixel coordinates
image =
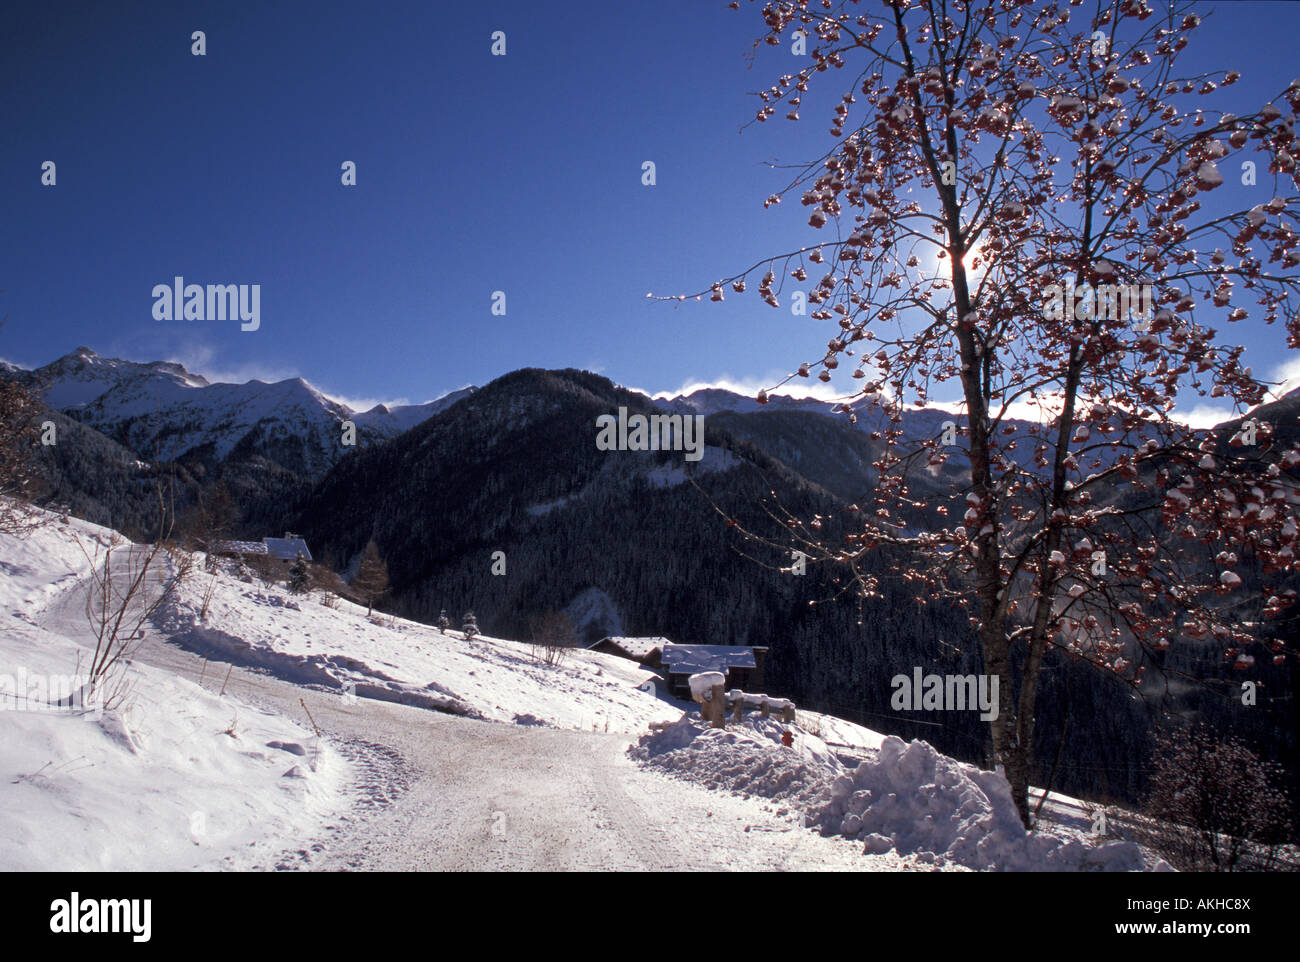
(690, 659)
(242, 547)
(636, 647)
(287, 548)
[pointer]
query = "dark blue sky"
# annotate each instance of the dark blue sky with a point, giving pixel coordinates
(475, 173)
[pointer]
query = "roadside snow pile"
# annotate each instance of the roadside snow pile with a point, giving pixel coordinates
(747, 758)
(915, 800)
(906, 797)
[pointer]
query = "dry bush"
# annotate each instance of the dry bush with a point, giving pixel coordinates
(553, 636)
(126, 584)
(1214, 806)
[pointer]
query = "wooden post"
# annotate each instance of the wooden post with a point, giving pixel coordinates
(766, 712)
(787, 715)
(716, 702)
(738, 712)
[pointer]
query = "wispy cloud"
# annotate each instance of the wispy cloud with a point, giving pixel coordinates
(200, 359)
(750, 386)
(360, 403)
(1287, 374)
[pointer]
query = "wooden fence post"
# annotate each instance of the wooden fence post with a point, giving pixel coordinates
(717, 703)
(738, 713)
(766, 712)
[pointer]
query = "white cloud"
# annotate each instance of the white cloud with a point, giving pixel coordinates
(1288, 374)
(750, 386)
(360, 403)
(199, 360)
(1202, 416)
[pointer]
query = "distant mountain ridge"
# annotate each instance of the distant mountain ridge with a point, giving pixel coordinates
(165, 413)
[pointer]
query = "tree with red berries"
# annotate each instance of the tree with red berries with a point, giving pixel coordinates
(1031, 208)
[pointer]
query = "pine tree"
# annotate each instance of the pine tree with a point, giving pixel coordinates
(299, 578)
(470, 625)
(443, 621)
(372, 576)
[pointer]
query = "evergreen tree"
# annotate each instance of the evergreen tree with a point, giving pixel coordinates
(470, 626)
(443, 621)
(20, 409)
(299, 579)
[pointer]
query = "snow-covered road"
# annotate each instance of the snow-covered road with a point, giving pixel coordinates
(438, 792)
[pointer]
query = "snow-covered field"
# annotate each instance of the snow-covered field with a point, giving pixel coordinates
(176, 774)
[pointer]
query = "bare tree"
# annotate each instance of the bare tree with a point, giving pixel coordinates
(1009, 185)
(210, 520)
(371, 581)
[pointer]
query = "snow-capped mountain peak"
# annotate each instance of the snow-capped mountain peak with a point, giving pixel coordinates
(164, 412)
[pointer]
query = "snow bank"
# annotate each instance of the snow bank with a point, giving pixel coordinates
(911, 798)
(905, 797)
(747, 758)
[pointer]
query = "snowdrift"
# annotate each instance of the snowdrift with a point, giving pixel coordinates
(905, 797)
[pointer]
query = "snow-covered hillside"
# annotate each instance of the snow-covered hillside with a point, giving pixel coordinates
(174, 777)
(299, 638)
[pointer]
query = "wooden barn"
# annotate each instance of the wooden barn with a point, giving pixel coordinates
(742, 665)
(283, 549)
(644, 651)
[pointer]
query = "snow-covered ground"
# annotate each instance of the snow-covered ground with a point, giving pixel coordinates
(428, 744)
(172, 777)
(299, 638)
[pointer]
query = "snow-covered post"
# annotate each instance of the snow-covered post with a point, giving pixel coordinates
(706, 688)
(738, 712)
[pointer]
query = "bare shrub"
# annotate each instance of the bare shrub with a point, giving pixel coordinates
(1214, 805)
(126, 584)
(553, 636)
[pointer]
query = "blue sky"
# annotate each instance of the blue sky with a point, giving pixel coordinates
(475, 174)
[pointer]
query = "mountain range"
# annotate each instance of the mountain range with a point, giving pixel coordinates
(497, 499)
